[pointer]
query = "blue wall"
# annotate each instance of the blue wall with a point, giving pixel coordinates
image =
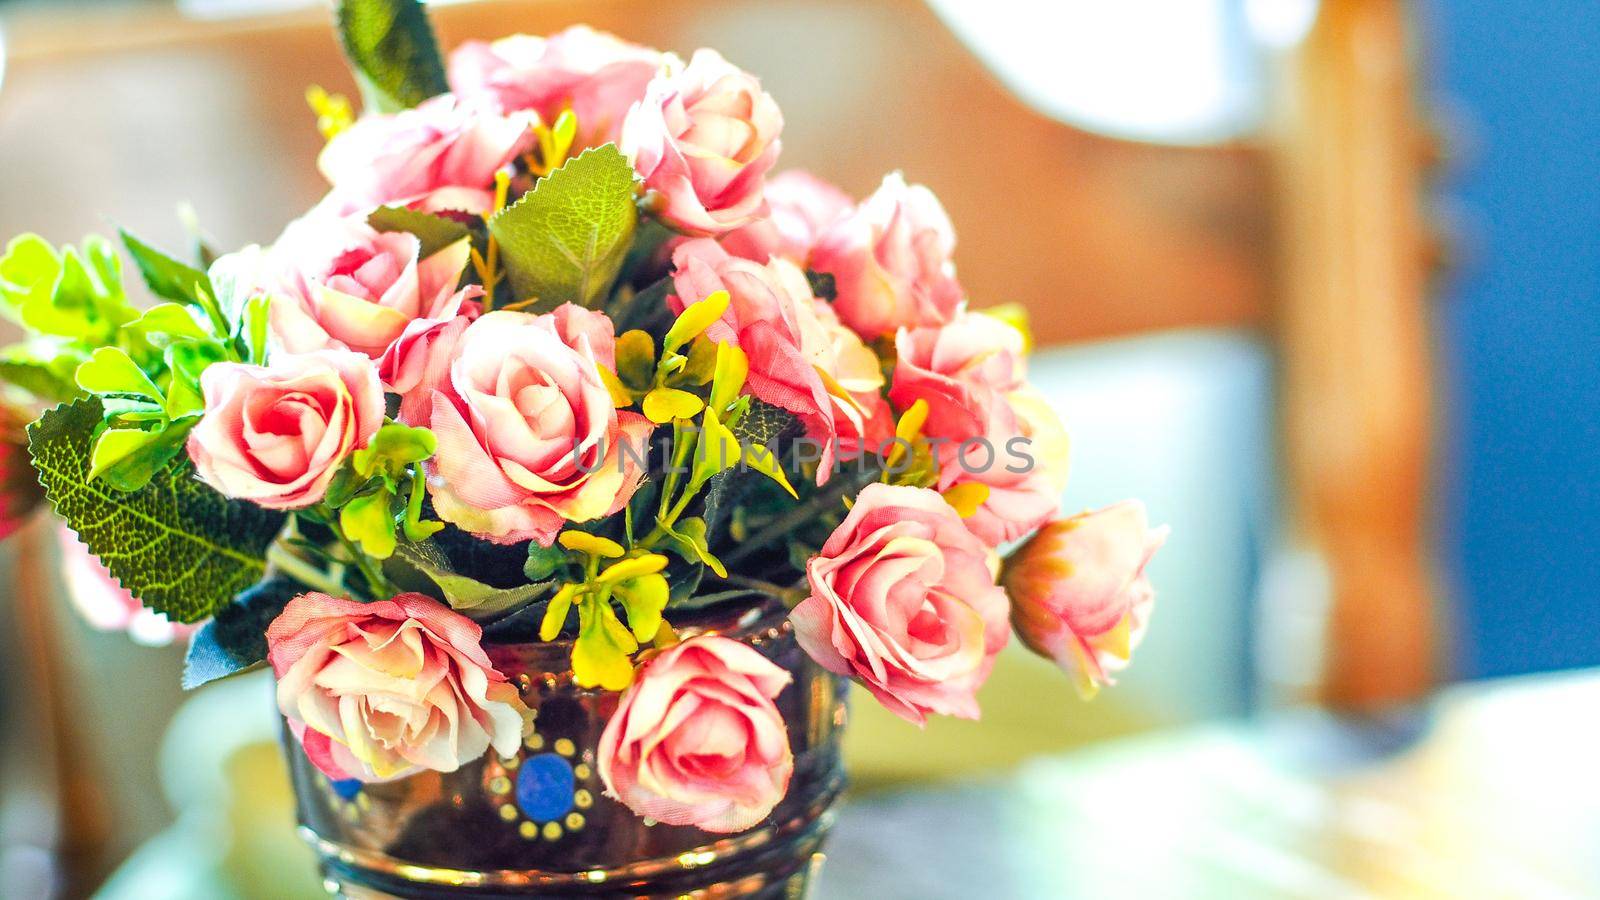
(1520, 332)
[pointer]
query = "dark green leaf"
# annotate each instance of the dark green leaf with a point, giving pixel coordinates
(165, 276)
(235, 640)
(467, 595)
(391, 47)
(543, 561)
(565, 240)
(44, 370)
(176, 544)
(435, 232)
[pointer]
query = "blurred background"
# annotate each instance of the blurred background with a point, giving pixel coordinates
(1319, 281)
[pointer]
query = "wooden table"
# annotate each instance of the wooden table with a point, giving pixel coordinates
(1494, 791)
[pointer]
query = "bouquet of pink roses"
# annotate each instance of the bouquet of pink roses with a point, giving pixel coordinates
(561, 358)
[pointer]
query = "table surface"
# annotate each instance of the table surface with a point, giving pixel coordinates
(1492, 790)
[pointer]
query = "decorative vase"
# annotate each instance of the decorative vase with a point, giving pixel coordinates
(539, 823)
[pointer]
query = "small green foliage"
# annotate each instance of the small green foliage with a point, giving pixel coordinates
(75, 294)
(435, 232)
(167, 277)
(176, 544)
(564, 241)
(466, 595)
(392, 50)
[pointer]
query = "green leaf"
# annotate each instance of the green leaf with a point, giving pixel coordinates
(43, 368)
(110, 371)
(172, 320)
(253, 323)
(392, 449)
(688, 539)
(543, 561)
(643, 598)
(369, 521)
(28, 273)
(435, 232)
(391, 47)
(176, 544)
(467, 595)
(85, 303)
(564, 241)
(165, 276)
(235, 640)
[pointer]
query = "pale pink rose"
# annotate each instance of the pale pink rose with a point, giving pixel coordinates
(987, 424)
(890, 261)
(904, 601)
(529, 437)
(791, 339)
(418, 363)
(696, 739)
(439, 156)
(104, 603)
(1079, 593)
(800, 206)
(377, 691)
(339, 283)
(1025, 474)
(275, 435)
(596, 75)
(704, 137)
(965, 370)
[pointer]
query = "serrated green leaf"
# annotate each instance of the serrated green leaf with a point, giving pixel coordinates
(466, 595)
(166, 277)
(565, 240)
(391, 47)
(435, 232)
(176, 544)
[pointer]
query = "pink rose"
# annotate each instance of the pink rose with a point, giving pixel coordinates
(340, 283)
(529, 437)
(20, 492)
(418, 363)
(989, 426)
(1024, 474)
(791, 339)
(275, 435)
(1079, 594)
(596, 75)
(800, 206)
(696, 740)
(903, 600)
(104, 603)
(704, 137)
(439, 156)
(890, 261)
(377, 691)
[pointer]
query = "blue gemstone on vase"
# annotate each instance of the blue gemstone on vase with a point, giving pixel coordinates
(346, 788)
(545, 785)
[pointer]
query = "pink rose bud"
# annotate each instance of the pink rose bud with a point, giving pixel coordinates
(1079, 594)
(890, 261)
(704, 137)
(696, 740)
(1024, 474)
(529, 437)
(596, 75)
(418, 363)
(903, 600)
(800, 206)
(275, 435)
(791, 339)
(377, 691)
(439, 156)
(339, 283)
